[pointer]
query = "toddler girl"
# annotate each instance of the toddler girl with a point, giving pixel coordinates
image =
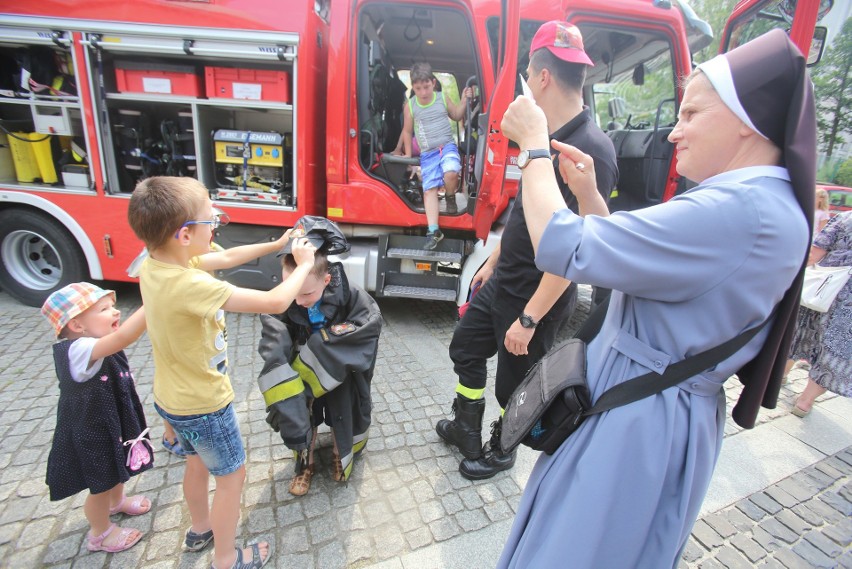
(101, 437)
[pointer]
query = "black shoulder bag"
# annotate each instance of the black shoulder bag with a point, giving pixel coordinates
(554, 398)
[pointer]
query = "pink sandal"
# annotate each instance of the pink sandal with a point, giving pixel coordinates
(124, 540)
(131, 506)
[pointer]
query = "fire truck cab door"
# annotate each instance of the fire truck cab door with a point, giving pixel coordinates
(493, 158)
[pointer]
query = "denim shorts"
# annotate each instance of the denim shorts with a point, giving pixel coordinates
(435, 163)
(214, 437)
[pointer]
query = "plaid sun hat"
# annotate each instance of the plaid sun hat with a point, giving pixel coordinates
(71, 301)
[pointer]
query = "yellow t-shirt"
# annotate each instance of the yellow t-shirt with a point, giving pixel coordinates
(186, 325)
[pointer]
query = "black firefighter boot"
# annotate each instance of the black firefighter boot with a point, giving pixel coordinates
(492, 460)
(465, 431)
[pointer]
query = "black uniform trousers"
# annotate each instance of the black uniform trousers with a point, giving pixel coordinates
(480, 334)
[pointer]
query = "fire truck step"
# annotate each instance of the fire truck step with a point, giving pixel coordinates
(423, 293)
(440, 256)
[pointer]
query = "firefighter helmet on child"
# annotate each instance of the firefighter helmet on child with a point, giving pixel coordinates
(320, 232)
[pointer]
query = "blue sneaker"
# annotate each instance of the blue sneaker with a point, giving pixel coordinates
(432, 240)
(197, 541)
(174, 447)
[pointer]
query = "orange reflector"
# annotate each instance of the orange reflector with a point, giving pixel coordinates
(108, 245)
(423, 266)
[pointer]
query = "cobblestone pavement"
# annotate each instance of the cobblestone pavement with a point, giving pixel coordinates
(405, 495)
(803, 521)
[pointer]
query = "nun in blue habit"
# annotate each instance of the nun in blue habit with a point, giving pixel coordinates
(625, 489)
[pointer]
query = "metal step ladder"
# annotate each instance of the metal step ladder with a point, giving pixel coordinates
(407, 270)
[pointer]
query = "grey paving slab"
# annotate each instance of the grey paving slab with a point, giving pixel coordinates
(431, 352)
(828, 428)
(473, 549)
(753, 460)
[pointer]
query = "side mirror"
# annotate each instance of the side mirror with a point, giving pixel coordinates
(617, 107)
(817, 45)
(639, 74)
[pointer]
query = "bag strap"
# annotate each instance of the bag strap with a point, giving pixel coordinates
(593, 323)
(652, 383)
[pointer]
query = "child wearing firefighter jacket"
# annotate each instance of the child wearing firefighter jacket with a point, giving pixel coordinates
(319, 357)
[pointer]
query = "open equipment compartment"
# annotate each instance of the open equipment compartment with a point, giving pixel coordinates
(164, 94)
(42, 140)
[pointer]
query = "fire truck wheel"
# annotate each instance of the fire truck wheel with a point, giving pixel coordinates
(38, 256)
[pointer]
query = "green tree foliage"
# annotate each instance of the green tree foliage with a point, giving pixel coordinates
(833, 90)
(844, 174)
(715, 13)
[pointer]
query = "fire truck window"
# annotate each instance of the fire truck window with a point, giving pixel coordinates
(631, 99)
(527, 32)
(631, 92)
(770, 15)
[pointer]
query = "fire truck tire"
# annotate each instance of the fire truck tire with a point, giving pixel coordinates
(38, 256)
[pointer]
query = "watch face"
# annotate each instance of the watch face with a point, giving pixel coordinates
(527, 322)
(525, 156)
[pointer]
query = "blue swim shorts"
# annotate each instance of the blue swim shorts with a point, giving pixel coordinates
(435, 163)
(214, 437)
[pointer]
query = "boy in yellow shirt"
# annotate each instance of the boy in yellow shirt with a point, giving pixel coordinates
(186, 324)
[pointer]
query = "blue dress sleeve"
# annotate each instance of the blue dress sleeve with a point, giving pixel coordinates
(671, 252)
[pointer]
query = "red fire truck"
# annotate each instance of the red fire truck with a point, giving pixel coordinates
(290, 108)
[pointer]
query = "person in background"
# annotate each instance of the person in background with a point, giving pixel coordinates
(687, 275)
(821, 215)
(824, 339)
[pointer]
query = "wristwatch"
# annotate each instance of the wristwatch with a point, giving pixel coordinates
(527, 321)
(526, 156)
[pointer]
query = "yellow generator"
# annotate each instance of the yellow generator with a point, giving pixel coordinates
(252, 166)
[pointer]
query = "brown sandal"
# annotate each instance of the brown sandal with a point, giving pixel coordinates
(337, 473)
(301, 483)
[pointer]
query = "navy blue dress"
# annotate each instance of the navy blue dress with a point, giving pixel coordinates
(94, 419)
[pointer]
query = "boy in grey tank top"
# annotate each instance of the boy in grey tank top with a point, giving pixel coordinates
(427, 114)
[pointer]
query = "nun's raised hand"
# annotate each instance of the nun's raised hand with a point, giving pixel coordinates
(576, 168)
(525, 123)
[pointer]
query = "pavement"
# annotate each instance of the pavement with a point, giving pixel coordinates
(781, 495)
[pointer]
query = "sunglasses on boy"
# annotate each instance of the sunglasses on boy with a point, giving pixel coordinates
(220, 218)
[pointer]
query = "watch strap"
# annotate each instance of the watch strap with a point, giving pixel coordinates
(532, 154)
(538, 153)
(526, 317)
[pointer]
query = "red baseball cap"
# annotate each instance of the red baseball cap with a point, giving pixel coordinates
(564, 40)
